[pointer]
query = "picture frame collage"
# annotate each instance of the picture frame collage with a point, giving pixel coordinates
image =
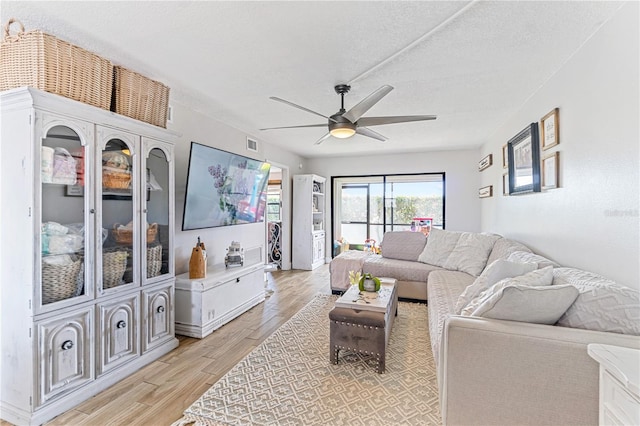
(527, 168)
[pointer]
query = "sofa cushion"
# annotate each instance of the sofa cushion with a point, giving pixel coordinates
(402, 270)
(403, 245)
(443, 289)
(496, 271)
(602, 305)
(503, 248)
(439, 246)
(471, 252)
(528, 257)
(534, 304)
(538, 277)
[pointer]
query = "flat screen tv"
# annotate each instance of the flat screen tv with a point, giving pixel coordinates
(223, 189)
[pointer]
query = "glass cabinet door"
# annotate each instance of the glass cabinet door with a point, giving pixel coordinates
(157, 210)
(63, 266)
(118, 258)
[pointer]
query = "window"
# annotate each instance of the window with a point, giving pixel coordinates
(365, 207)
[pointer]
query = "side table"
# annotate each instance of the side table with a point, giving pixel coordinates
(619, 384)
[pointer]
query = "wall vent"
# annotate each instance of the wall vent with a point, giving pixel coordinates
(252, 145)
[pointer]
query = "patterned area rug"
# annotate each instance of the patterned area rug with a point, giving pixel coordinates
(288, 379)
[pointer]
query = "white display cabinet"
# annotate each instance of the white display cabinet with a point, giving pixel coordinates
(308, 221)
(86, 251)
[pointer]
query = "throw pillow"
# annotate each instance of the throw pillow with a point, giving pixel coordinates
(496, 271)
(538, 305)
(523, 256)
(440, 244)
(403, 245)
(538, 277)
(471, 252)
(602, 305)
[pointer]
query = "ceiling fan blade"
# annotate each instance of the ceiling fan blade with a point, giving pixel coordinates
(370, 133)
(364, 105)
(319, 141)
(377, 121)
(301, 107)
(296, 127)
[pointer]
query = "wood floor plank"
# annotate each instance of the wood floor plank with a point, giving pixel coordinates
(159, 393)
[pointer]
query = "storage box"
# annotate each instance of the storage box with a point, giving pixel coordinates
(44, 62)
(139, 97)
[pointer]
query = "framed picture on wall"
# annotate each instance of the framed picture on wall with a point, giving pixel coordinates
(505, 184)
(505, 156)
(550, 169)
(524, 161)
(550, 129)
(486, 191)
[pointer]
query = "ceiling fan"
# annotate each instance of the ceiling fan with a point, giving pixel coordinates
(344, 124)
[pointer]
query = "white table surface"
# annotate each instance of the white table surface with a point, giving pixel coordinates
(622, 363)
(378, 301)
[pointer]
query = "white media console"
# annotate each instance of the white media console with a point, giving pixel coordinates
(206, 304)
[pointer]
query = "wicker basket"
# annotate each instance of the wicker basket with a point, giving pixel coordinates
(125, 236)
(43, 61)
(61, 282)
(114, 264)
(115, 180)
(139, 97)
(154, 261)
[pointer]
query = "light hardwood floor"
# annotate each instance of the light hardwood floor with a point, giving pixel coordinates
(158, 393)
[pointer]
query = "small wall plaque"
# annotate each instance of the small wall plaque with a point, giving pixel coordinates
(485, 162)
(485, 192)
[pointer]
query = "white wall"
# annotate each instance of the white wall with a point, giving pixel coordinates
(462, 206)
(592, 220)
(197, 127)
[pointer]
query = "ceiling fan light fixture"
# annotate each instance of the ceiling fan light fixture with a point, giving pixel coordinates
(342, 132)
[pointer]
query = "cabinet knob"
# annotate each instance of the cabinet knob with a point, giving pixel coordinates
(237, 280)
(66, 345)
(121, 324)
(92, 211)
(160, 309)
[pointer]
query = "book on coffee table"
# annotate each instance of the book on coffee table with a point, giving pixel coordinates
(377, 301)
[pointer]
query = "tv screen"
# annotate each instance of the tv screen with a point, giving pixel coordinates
(223, 189)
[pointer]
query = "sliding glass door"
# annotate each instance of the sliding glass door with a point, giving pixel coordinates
(365, 207)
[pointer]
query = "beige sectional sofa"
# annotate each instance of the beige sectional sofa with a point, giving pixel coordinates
(496, 371)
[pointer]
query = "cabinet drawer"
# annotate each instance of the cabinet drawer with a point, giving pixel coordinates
(622, 404)
(65, 354)
(157, 308)
(118, 332)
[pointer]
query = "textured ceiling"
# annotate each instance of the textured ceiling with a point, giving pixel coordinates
(473, 64)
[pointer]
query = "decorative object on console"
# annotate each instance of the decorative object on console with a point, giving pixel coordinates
(524, 161)
(550, 171)
(485, 163)
(235, 255)
(485, 192)
(550, 129)
(198, 261)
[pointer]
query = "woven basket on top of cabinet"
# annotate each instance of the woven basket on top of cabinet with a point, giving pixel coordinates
(36, 59)
(139, 97)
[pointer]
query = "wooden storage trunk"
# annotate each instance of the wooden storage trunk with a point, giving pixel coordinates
(139, 97)
(42, 61)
